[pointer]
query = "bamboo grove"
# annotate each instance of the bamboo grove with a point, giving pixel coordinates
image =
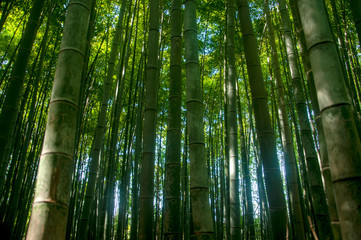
(236, 119)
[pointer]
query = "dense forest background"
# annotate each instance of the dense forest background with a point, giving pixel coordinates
(180, 119)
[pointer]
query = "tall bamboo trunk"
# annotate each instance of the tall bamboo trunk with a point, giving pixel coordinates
(149, 130)
(202, 224)
(274, 185)
(235, 221)
(50, 207)
(342, 141)
(173, 153)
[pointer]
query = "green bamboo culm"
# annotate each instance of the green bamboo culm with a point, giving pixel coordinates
(342, 140)
(235, 221)
(199, 186)
(51, 201)
(151, 85)
(273, 180)
(172, 206)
